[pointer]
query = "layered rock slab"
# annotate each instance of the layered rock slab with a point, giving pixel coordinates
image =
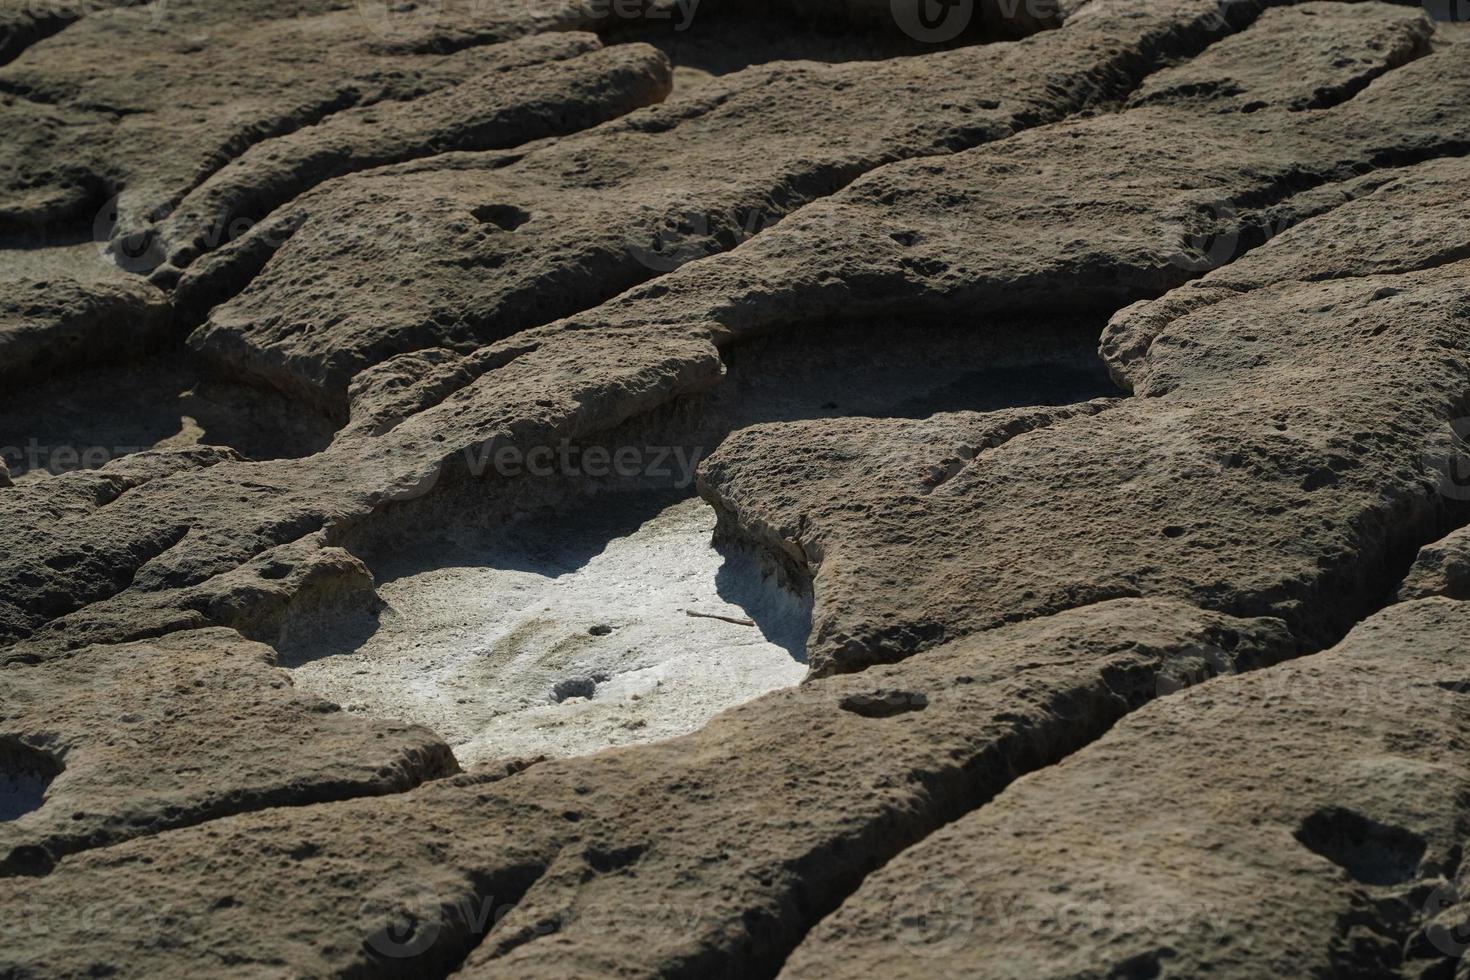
(1441, 569)
(50, 323)
(536, 88)
(1089, 215)
(1319, 400)
(438, 859)
(143, 108)
(1323, 844)
(187, 728)
(564, 227)
(805, 790)
(590, 373)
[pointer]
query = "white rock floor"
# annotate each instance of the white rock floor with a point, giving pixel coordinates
(562, 640)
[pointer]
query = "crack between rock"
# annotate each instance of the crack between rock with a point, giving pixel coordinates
(1256, 207)
(1351, 89)
(1067, 742)
(1391, 573)
(17, 41)
(242, 802)
(478, 937)
(1042, 419)
(1196, 39)
(1105, 84)
(306, 184)
(344, 526)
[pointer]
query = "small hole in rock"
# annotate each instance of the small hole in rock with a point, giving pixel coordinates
(573, 687)
(885, 704)
(502, 216)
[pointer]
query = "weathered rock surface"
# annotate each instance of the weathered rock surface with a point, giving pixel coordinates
(1001, 589)
(1278, 374)
(481, 247)
(539, 87)
(186, 728)
(114, 106)
(1442, 569)
(1305, 820)
(605, 864)
(1328, 493)
(61, 322)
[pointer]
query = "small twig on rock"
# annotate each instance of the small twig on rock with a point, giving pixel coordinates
(723, 619)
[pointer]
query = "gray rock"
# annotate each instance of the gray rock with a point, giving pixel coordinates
(1008, 602)
(144, 104)
(638, 860)
(184, 729)
(1294, 821)
(1442, 569)
(50, 324)
(597, 213)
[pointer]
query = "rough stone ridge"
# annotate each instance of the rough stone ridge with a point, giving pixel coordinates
(618, 845)
(1442, 568)
(1323, 843)
(51, 323)
(190, 727)
(600, 212)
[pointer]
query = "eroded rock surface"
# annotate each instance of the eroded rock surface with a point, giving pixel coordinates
(1092, 634)
(187, 728)
(1314, 844)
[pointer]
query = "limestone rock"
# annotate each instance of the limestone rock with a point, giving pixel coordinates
(567, 226)
(1017, 569)
(1442, 569)
(1313, 846)
(184, 729)
(47, 324)
(602, 864)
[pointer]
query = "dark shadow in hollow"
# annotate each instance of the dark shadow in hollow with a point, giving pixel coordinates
(889, 368)
(717, 37)
(880, 367)
(85, 418)
(25, 774)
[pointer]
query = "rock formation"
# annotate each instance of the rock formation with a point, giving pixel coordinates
(1094, 379)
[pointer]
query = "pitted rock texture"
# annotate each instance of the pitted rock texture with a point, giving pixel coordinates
(184, 729)
(1308, 855)
(1141, 662)
(524, 240)
(615, 843)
